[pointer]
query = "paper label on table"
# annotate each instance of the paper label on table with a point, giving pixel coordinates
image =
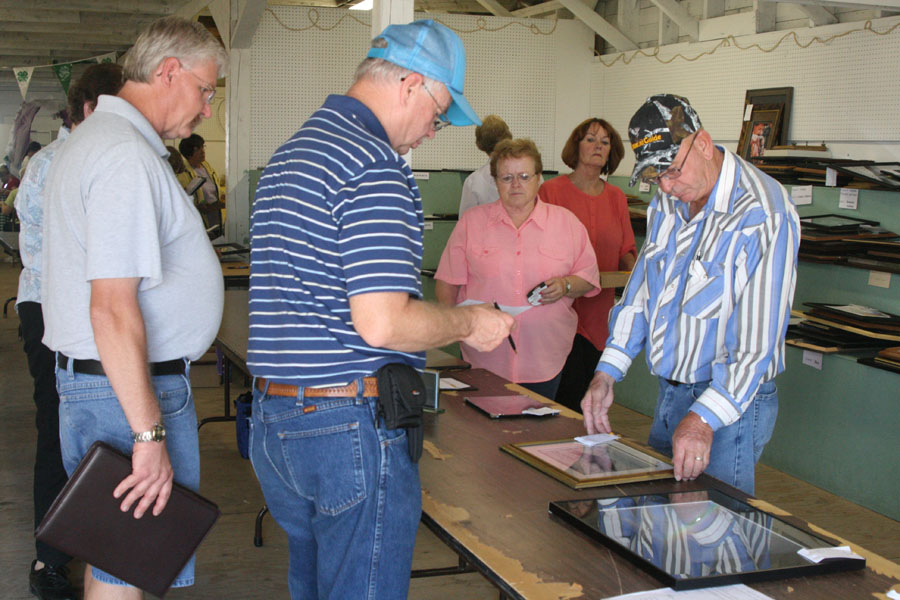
(729, 592)
(817, 555)
(801, 194)
(429, 225)
(893, 595)
(880, 279)
(423, 175)
(510, 310)
(849, 199)
(595, 439)
(830, 177)
(748, 112)
(644, 187)
(812, 359)
(448, 383)
(541, 412)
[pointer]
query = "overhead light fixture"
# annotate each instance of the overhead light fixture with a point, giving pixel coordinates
(364, 5)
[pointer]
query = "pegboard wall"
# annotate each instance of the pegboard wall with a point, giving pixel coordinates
(302, 54)
(846, 90)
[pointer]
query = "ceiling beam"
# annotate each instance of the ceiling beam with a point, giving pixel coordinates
(538, 9)
(25, 15)
(891, 5)
(818, 15)
(64, 40)
(599, 25)
(130, 30)
(247, 22)
(152, 7)
(688, 25)
(495, 8)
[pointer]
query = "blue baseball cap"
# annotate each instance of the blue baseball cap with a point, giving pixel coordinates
(432, 50)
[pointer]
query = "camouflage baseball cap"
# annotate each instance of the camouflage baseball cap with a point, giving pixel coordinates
(656, 131)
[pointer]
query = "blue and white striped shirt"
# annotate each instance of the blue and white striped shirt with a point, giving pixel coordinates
(337, 213)
(711, 297)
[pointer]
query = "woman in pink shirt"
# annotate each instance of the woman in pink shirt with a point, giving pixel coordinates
(594, 149)
(499, 251)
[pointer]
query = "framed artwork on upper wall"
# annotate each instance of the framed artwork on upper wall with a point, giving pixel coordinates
(769, 98)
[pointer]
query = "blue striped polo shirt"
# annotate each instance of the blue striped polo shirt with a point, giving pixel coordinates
(337, 213)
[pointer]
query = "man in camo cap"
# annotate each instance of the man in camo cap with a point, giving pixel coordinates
(709, 298)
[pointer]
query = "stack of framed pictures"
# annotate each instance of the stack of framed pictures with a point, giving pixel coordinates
(768, 122)
(581, 466)
(704, 538)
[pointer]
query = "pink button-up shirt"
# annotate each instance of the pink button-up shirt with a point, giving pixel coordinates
(492, 261)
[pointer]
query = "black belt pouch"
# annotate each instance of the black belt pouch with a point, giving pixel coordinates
(401, 397)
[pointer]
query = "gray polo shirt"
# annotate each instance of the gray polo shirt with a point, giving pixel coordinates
(114, 209)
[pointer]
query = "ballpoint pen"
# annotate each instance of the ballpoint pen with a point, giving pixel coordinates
(509, 337)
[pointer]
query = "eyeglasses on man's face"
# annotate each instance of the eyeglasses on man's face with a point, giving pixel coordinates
(510, 177)
(440, 120)
(671, 173)
(206, 91)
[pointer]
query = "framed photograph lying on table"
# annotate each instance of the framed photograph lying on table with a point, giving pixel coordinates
(702, 538)
(580, 466)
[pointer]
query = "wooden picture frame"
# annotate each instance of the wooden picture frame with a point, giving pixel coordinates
(702, 538)
(580, 466)
(760, 131)
(780, 96)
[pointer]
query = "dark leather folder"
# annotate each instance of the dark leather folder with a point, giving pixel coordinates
(85, 522)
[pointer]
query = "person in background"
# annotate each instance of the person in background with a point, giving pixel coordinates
(32, 149)
(335, 295)
(498, 252)
(132, 290)
(708, 301)
(7, 198)
(593, 151)
(177, 164)
(479, 187)
(48, 577)
(207, 197)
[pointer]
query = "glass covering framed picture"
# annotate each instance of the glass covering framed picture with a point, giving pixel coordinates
(580, 466)
(701, 538)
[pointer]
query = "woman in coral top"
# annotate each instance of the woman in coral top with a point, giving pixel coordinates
(594, 149)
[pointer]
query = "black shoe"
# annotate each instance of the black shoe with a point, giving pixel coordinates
(50, 583)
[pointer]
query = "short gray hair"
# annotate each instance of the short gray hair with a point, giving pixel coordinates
(173, 37)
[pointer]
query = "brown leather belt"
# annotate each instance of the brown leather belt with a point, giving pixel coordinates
(370, 389)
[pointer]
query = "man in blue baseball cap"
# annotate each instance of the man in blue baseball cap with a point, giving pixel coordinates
(336, 297)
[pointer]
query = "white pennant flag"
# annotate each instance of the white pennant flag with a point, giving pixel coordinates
(106, 58)
(23, 78)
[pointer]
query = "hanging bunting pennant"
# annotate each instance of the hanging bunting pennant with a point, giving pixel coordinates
(106, 58)
(23, 78)
(64, 74)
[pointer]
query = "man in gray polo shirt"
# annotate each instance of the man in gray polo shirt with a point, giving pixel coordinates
(132, 289)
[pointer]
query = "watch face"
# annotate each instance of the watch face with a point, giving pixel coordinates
(158, 433)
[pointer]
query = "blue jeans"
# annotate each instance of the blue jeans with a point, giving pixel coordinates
(736, 448)
(89, 411)
(343, 489)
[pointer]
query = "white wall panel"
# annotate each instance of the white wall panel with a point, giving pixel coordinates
(845, 91)
(510, 72)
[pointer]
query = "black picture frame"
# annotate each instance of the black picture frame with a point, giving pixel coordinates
(780, 96)
(697, 539)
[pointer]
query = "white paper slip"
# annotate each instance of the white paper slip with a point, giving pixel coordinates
(596, 438)
(729, 592)
(893, 595)
(817, 555)
(849, 198)
(544, 411)
(510, 310)
(448, 383)
(802, 194)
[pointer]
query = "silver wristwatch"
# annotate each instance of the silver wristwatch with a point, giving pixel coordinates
(568, 286)
(157, 434)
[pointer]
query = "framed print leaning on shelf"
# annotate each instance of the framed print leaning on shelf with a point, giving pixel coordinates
(703, 538)
(760, 131)
(782, 98)
(580, 466)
